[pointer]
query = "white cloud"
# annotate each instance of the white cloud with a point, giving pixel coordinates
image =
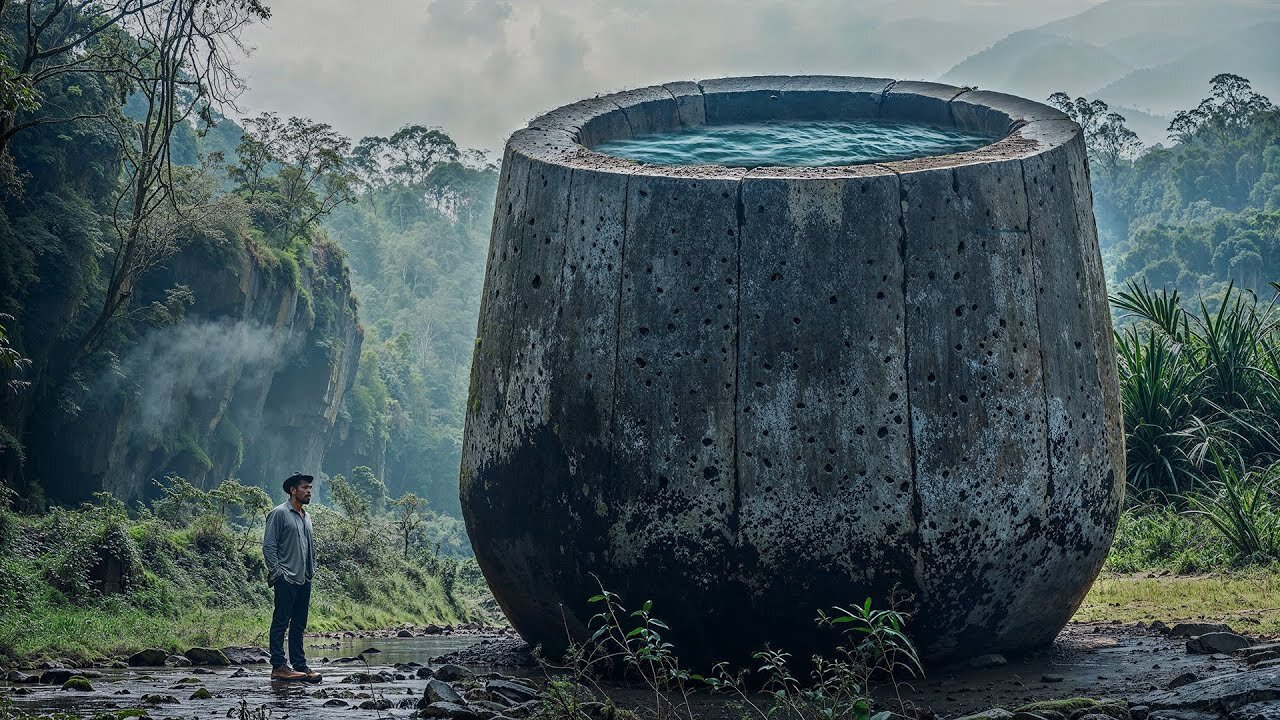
(482, 68)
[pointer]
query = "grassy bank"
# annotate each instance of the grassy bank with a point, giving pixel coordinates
(103, 580)
(1173, 564)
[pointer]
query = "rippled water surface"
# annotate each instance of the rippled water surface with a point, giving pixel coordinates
(801, 144)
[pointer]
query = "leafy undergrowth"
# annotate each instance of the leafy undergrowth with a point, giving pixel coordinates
(99, 581)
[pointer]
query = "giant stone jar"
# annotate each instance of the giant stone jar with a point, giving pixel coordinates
(750, 394)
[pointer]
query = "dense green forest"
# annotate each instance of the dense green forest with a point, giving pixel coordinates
(1200, 213)
(198, 297)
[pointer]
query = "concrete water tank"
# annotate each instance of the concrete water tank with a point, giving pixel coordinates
(749, 394)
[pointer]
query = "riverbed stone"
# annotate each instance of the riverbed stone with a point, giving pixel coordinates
(151, 657)
(443, 709)
(1256, 711)
(206, 656)
(453, 673)
(705, 374)
(992, 714)
(1217, 642)
(246, 654)
(1220, 692)
(512, 691)
(439, 691)
(1190, 630)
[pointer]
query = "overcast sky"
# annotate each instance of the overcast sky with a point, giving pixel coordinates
(482, 68)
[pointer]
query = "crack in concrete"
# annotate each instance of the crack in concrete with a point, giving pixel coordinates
(1050, 490)
(917, 503)
(735, 519)
(617, 318)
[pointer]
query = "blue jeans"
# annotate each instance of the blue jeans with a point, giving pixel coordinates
(291, 612)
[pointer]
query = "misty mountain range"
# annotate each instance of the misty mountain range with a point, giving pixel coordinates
(1147, 58)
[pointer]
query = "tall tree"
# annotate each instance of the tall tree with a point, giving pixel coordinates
(1230, 107)
(176, 58)
(1110, 141)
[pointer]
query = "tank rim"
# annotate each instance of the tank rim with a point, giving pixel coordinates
(1021, 128)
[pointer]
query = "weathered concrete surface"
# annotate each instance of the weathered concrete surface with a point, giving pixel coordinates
(749, 394)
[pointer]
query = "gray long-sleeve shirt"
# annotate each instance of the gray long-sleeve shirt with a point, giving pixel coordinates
(287, 547)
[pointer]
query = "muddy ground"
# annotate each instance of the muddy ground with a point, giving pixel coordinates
(1088, 659)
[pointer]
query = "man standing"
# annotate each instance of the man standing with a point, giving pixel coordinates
(289, 553)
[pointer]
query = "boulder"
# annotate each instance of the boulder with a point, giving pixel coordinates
(404, 634)
(151, 657)
(447, 710)
(1185, 678)
(201, 694)
(1217, 642)
(206, 656)
(177, 661)
(79, 683)
(56, 676)
(1256, 711)
(1220, 692)
(515, 692)
(246, 654)
(439, 691)
(453, 673)
(1190, 630)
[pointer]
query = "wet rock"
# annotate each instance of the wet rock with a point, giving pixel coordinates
(1217, 642)
(206, 656)
(1075, 708)
(78, 683)
(201, 694)
(370, 651)
(15, 676)
(158, 700)
(515, 692)
(177, 661)
(404, 634)
(424, 672)
(1190, 630)
(1185, 678)
(992, 714)
(56, 676)
(1181, 715)
(379, 704)
(1139, 712)
(1220, 692)
(454, 673)
(367, 678)
(433, 629)
(246, 655)
(151, 657)
(1051, 678)
(439, 691)
(335, 702)
(1256, 711)
(447, 710)
(239, 673)
(992, 660)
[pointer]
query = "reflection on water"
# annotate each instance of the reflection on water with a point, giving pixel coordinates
(118, 689)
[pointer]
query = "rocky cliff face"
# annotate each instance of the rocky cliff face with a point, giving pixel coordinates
(249, 384)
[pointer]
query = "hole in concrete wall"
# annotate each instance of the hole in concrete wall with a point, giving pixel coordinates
(537, 281)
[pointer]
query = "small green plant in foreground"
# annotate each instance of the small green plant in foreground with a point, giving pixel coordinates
(874, 648)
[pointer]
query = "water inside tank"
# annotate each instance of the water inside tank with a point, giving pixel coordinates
(796, 143)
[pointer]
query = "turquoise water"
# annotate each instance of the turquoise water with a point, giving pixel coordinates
(796, 143)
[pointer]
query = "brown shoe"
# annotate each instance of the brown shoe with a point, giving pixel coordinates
(284, 672)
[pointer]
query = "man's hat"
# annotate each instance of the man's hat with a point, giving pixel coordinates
(296, 479)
